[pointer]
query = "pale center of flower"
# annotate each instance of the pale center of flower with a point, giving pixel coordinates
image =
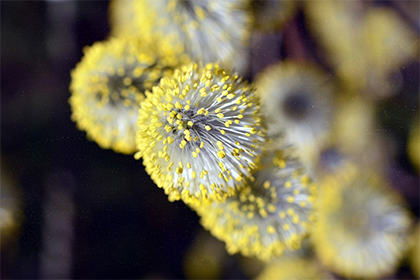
(357, 223)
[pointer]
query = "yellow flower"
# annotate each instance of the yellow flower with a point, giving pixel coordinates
(199, 133)
(108, 85)
(208, 30)
(269, 215)
(362, 228)
(296, 102)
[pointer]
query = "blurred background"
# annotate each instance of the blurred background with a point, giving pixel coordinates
(74, 210)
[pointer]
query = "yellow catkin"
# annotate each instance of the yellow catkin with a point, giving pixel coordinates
(360, 221)
(196, 138)
(261, 220)
(297, 101)
(188, 26)
(109, 83)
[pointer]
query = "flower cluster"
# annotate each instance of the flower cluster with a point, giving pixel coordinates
(249, 157)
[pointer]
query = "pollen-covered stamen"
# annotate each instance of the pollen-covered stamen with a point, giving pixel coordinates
(192, 128)
(270, 214)
(108, 85)
(206, 30)
(122, 85)
(205, 119)
(185, 123)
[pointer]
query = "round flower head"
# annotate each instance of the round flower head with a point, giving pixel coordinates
(270, 214)
(107, 87)
(295, 101)
(271, 15)
(208, 30)
(362, 228)
(287, 268)
(199, 133)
